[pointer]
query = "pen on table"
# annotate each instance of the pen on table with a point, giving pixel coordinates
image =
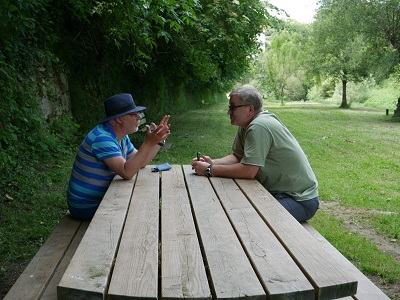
(198, 156)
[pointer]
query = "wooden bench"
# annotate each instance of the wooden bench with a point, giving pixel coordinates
(40, 278)
(197, 225)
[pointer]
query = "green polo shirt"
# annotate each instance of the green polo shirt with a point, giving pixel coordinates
(284, 168)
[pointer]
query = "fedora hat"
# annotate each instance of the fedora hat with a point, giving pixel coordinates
(119, 105)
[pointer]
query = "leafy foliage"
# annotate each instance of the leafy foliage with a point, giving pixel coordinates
(160, 51)
(281, 67)
(339, 51)
(184, 40)
(349, 43)
(170, 55)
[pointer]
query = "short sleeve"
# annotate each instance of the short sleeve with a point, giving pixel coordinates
(257, 144)
(105, 147)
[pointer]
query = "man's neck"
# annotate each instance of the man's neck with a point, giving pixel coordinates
(117, 130)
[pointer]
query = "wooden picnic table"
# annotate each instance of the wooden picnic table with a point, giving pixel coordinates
(175, 235)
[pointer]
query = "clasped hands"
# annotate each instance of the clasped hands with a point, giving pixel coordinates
(200, 166)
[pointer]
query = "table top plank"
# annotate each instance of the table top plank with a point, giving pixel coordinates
(183, 273)
(89, 270)
(280, 275)
(135, 274)
(365, 290)
(327, 278)
(231, 273)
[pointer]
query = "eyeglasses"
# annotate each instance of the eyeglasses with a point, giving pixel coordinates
(233, 107)
(134, 115)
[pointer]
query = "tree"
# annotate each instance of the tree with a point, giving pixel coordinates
(160, 50)
(338, 49)
(204, 43)
(167, 53)
(280, 69)
(379, 22)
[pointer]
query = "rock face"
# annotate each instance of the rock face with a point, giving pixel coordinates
(53, 91)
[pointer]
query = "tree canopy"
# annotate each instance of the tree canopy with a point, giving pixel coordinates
(349, 41)
(170, 54)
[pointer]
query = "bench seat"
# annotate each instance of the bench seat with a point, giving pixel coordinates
(40, 278)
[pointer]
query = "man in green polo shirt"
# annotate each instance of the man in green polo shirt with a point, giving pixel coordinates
(265, 149)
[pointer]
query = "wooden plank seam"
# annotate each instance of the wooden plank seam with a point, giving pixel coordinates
(203, 254)
(240, 240)
(306, 274)
(46, 285)
(304, 269)
(120, 236)
(278, 237)
(159, 287)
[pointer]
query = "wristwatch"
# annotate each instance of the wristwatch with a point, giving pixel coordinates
(208, 172)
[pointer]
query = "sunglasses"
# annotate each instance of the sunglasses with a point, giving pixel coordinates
(233, 107)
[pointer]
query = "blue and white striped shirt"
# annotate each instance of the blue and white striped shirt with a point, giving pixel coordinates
(90, 176)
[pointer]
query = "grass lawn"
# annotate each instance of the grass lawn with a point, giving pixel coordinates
(354, 153)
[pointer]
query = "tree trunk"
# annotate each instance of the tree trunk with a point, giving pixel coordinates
(396, 114)
(344, 96)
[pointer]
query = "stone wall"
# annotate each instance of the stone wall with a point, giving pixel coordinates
(53, 93)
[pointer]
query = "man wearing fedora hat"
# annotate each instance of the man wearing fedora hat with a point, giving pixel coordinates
(107, 150)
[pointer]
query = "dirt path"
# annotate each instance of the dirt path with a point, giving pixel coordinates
(353, 220)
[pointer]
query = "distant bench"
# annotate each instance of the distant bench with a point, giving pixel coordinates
(129, 223)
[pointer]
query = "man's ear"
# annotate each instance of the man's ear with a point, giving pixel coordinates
(251, 110)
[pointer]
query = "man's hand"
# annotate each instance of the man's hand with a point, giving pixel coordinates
(200, 166)
(160, 132)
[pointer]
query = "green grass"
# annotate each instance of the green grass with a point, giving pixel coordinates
(205, 130)
(358, 249)
(354, 153)
(30, 208)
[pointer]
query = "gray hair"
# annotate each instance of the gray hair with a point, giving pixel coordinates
(249, 95)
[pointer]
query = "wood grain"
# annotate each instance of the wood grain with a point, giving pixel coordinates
(328, 278)
(89, 271)
(183, 273)
(280, 275)
(231, 273)
(366, 290)
(135, 273)
(35, 277)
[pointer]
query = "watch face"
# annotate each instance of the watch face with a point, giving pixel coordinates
(208, 171)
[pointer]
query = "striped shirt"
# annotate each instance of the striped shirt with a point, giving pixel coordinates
(90, 176)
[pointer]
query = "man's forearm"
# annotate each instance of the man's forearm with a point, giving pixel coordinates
(236, 170)
(227, 160)
(153, 152)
